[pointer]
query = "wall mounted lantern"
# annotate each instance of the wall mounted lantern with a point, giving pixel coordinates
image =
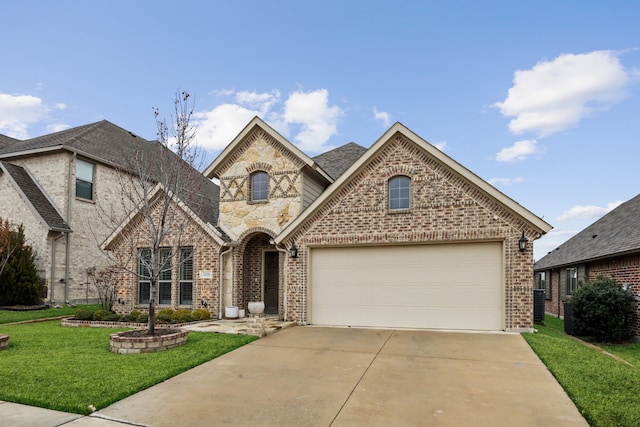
(522, 243)
(293, 251)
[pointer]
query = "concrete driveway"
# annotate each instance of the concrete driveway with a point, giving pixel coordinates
(312, 376)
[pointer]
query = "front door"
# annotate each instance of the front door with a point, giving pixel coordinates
(271, 275)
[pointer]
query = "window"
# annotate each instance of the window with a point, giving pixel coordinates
(144, 278)
(543, 283)
(572, 280)
(259, 184)
(186, 276)
(399, 192)
(164, 282)
(84, 180)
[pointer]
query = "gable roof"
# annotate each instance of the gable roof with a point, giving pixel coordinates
(35, 197)
(6, 140)
(617, 233)
(537, 223)
(338, 160)
(107, 143)
(211, 229)
(212, 170)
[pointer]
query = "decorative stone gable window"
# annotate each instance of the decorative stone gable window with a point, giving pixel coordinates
(259, 186)
(84, 179)
(399, 193)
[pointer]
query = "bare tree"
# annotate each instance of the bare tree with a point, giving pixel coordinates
(7, 248)
(106, 283)
(155, 178)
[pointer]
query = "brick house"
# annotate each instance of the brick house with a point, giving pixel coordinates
(609, 247)
(396, 235)
(60, 186)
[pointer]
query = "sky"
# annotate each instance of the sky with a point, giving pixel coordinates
(539, 98)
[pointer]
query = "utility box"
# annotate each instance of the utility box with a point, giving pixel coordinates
(538, 306)
(568, 319)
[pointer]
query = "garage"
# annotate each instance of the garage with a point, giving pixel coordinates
(435, 286)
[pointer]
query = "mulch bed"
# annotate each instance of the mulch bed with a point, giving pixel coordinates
(144, 333)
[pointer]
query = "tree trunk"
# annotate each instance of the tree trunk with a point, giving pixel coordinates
(151, 325)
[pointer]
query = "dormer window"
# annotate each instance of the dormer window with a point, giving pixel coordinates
(259, 186)
(399, 193)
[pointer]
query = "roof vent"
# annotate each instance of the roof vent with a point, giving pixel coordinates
(594, 236)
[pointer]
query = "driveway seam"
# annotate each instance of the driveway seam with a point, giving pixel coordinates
(393, 331)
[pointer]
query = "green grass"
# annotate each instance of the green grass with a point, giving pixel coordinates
(7, 316)
(605, 390)
(68, 369)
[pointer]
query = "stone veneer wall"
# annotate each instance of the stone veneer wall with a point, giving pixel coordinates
(238, 214)
(444, 208)
(206, 251)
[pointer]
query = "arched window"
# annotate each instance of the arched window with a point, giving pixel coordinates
(259, 186)
(399, 192)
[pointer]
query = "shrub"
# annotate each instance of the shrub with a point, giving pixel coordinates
(133, 318)
(19, 281)
(165, 315)
(603, 310)
(182, 316)
(82, 314)
(100, 315)
(200, 314)
(112, 317)
(143, 318)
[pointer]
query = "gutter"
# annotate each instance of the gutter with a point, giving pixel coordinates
(221, 278)
(68, 241)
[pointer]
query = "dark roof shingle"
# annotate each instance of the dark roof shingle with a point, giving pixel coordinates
(117, 147)
(338, 160)
(36, 197)
(616, 233)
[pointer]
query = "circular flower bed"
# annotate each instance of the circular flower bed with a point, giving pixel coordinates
(138, 341)
(4, 341)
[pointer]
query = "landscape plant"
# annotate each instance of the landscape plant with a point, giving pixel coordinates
(72, 369)
(603, 310)
(19, 281)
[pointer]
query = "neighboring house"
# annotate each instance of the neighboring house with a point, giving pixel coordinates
(397, 235)
(609, 247)
(62, 187)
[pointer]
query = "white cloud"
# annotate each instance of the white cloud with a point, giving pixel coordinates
(306, 117)
(216, 128)
(520, 150)
(505, 181)
(17, 112)
(383, 116)
(318, 121)
(440, 145)
(577, 212)
(558, 94)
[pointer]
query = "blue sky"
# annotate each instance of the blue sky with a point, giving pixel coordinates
(540, 98)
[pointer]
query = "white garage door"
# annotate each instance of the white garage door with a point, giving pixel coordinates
(444, 286)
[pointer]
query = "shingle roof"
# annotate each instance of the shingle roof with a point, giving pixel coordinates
(616, 233)
(6, 140)
(36, 197)
(111, 144)
(338, 160)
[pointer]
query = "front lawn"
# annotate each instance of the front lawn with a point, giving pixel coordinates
(605, 390)
(69, 369)
(8, 316)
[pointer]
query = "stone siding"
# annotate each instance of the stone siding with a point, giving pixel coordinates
(444, 208)
(238, 213)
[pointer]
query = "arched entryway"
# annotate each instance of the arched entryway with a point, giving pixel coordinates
(260, 273)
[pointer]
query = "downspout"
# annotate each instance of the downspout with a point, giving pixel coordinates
(284, 278)
(53, 266)
(68, 245)
(221, 273)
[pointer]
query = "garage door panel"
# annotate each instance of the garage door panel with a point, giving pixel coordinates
(452, 286)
